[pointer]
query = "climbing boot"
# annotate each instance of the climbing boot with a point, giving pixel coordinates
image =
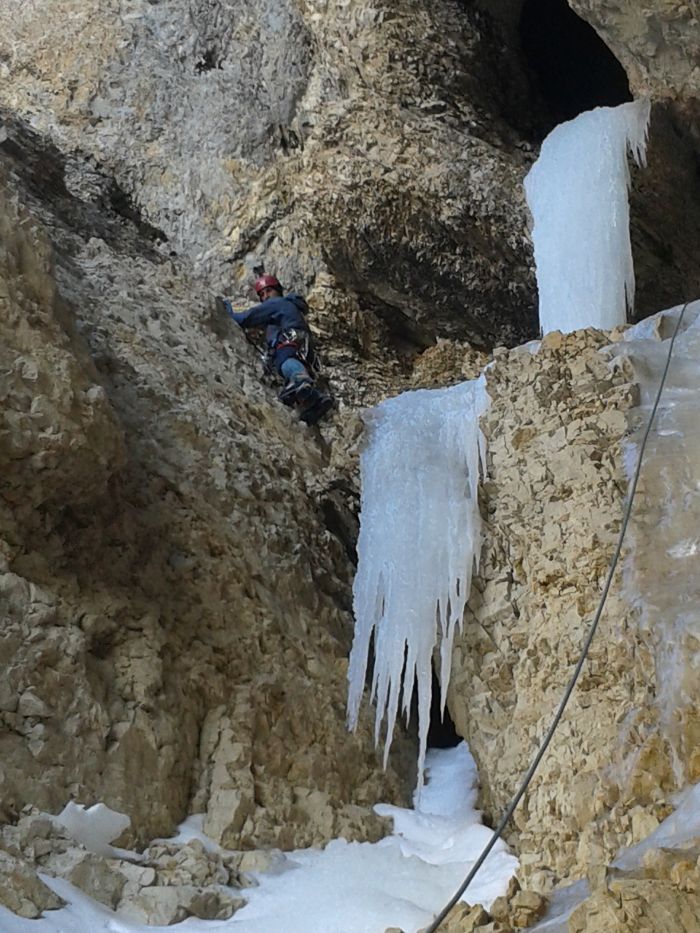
(288, 395)
(318, 406)
(297, 393)
(305, 392)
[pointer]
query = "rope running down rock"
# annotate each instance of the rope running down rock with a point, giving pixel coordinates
(584, 652)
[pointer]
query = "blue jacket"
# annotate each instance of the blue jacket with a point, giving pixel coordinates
(275, 314)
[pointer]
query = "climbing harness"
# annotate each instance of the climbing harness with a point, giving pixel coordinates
(299, 340)
(498, 832)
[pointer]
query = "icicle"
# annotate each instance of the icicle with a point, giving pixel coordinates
(577, 194)
(420, 534)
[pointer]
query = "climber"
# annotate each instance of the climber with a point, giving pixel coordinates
(289, 347)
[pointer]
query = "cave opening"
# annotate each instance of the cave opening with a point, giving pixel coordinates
(573, 67)
(442, 732)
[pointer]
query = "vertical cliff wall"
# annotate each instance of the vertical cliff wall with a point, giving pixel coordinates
(552, 508)
(382, 146)
(176, 551)
(177, 616)
(564, 429)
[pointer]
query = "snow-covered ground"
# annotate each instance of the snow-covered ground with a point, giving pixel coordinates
(402, 881)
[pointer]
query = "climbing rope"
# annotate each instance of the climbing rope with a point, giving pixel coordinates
(584, 652)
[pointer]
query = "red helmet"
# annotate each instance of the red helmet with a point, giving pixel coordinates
(267, 281)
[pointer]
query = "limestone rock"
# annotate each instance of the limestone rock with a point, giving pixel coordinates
(171, 591)
(466, 919)
(167, 905)
(656, 42)
(97, 877)
(664, 898)
(176, 551)
(168, 883)
(372, 161)
(60, 441)
(255, 860)
(342, 150)
(552, 501)
(516, 909)
(525, 908)
(22, 891)
(186, 864)
(46, 844)
(447, 362)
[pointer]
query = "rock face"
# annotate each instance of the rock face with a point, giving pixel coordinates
(662, 896)
(178, 606)
(657, 42)
(176, 551)
(176, 619)
(345, 142)
(61, 442)
(552, 506)
(560, 425)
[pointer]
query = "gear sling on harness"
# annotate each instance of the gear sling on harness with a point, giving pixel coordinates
(298, 340)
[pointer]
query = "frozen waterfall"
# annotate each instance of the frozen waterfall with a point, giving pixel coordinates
(577, 194)
(660, 575)
(420, 535)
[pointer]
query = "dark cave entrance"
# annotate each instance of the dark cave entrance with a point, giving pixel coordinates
(574, 68)
(442, 732)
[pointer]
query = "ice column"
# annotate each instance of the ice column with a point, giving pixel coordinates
(577, 194)
(420, 535)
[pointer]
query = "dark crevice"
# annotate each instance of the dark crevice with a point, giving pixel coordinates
(407, 336)
(341, 520)
(573, 67)
(123, 204)
(36, 163)
(442, 732)
(288, 140)
(208, 62)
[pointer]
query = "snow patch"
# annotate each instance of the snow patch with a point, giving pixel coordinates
(403, 880)
(94, 827)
